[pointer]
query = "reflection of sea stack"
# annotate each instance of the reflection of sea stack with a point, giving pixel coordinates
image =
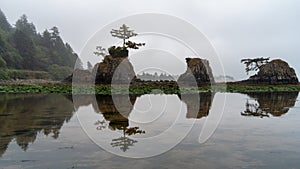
(275, 72)
(116, 109)
(198, 105)
(198, 70)
(81, 100)
(275, 103)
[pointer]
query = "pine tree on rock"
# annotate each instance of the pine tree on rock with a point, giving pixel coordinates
(123, 33)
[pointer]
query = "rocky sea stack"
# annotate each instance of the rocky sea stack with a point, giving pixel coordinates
(275, 72)
(114, 70)
(197, 70)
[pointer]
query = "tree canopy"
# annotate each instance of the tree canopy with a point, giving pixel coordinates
(123, 33)
(24, 26)
(4, 25)
(100, 51)
(254, 64)
(23, 48)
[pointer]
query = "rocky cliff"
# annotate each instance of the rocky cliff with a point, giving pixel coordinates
(197, 70)
(275, 72)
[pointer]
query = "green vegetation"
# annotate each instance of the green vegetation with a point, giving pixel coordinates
(118, 51)
(23, 50)
(123, 33)
(26, 74)
(262, 88)
(254, 64)
(100, 51)
(140, 89)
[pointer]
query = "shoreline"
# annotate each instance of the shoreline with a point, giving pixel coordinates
(157, 88)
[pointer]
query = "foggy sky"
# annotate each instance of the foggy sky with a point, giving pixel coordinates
(237, 28)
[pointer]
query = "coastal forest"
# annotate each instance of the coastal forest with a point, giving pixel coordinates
(28, 54)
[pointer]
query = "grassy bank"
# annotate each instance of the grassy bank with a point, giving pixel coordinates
(141, 89)
(235, 88)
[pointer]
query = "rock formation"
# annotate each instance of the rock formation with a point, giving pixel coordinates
(79, 76)
(114, 67)
(198, 70)
(275, 72)
(118, 69)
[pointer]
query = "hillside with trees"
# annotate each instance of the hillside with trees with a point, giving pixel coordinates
(28, 54)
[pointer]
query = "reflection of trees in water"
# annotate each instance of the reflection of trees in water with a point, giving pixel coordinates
(101, 124)
(22, 116)
(253, 109)
(116, 110)
(198, 105)
(266, 103)
(125, 142)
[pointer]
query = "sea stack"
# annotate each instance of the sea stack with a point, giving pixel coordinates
(275, 72)
(115, 68)
(199, 71)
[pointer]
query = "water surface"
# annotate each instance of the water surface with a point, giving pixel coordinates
(258, 130)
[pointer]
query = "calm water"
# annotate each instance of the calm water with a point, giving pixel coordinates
(257, 130)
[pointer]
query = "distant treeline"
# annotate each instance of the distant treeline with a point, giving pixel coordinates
(222, 78)
(25, 51)
(156, 76)
(163, 76)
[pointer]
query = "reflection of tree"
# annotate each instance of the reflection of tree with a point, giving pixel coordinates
(274, 103)
(101, 124)
(125, 142)
(116, 111)
(253, 109)
(22, 116)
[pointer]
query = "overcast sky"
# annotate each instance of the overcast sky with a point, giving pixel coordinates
(236, 28)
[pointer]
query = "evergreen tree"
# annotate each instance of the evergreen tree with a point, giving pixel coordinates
(254, 64)
(125, 33)
(26, 48)
(27, 28)
(9, 54)
(21, 47)
(46, 39)
(100, 51)
(90, 66)
(4, 25)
